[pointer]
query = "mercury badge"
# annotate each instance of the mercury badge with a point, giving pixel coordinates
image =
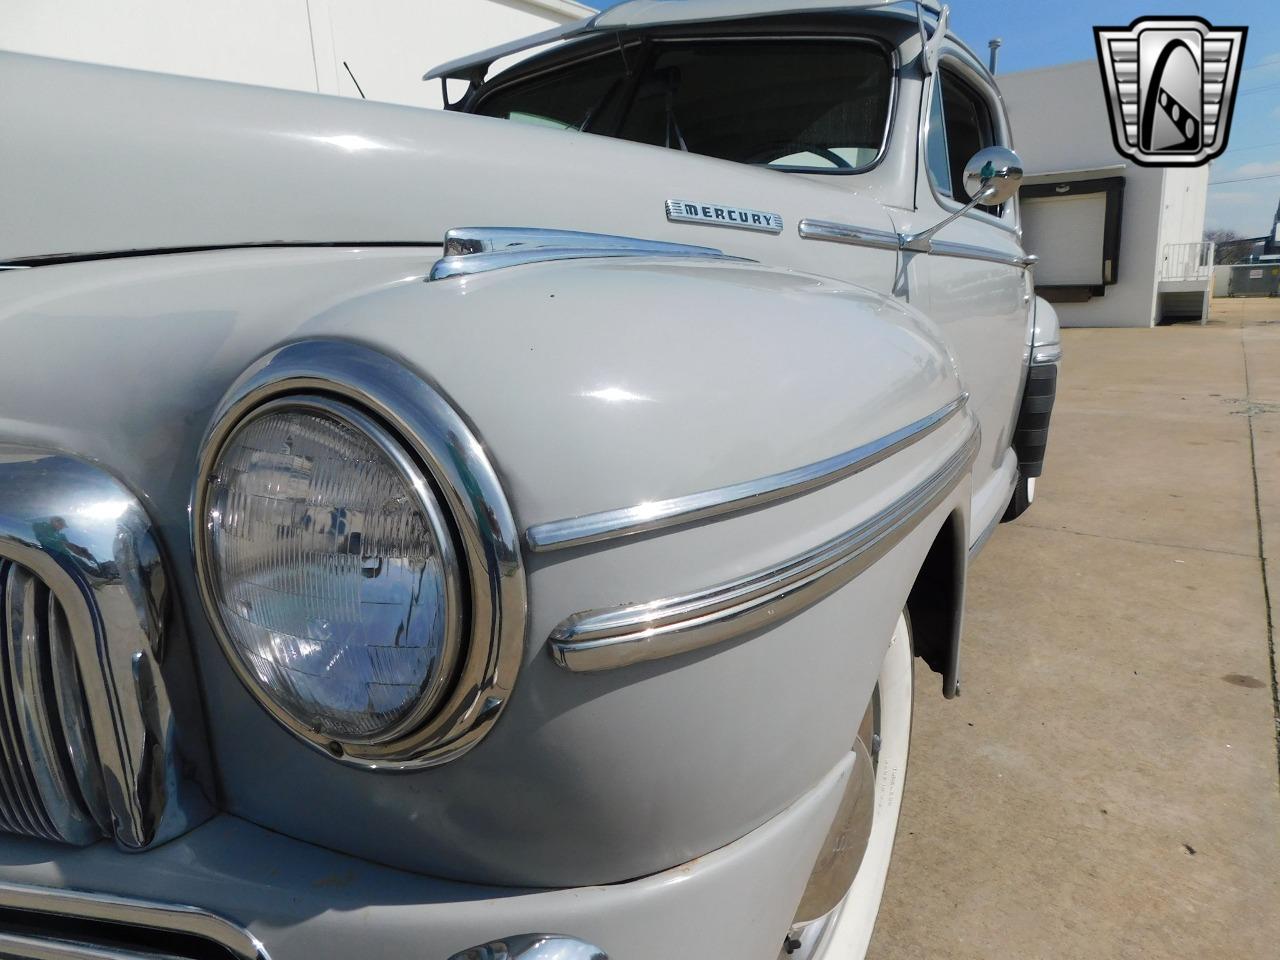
(719, 215)
(1171, 87)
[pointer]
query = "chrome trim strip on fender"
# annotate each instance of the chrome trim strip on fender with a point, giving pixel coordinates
(596, 640)
(171, 917)
(884, 240)
(970, 251)
(847, 233)
(469, 250)
(659, 514)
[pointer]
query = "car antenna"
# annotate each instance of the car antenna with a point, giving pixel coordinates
(354, 80)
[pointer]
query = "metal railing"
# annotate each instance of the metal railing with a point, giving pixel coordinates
(1187, 261)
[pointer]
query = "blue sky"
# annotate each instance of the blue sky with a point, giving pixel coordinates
(1039, 34)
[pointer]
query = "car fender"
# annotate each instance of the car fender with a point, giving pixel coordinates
(593, 385)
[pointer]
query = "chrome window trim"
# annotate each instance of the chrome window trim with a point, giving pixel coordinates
(108, 575)
(734, 498)
(453, 457)
(152, 915)
(472, 250)
(606, 639)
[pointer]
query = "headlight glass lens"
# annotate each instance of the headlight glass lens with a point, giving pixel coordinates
(331, 571)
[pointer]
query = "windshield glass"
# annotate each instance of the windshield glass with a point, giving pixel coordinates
(566, 98)
(807, 105)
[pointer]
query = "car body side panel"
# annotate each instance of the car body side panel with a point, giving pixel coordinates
(619, 774)
(982, 308)
(100, 159)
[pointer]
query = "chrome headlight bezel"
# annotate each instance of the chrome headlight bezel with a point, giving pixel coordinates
(411, 421)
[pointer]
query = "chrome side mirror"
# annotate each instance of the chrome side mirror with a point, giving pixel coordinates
(990, 178)
(994, 174)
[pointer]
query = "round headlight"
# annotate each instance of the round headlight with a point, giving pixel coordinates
(331, 568)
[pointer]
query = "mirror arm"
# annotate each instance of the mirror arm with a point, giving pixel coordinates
(922, 242)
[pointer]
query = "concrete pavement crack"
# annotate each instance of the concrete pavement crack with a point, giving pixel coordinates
(1145, 543)
(1250, 412)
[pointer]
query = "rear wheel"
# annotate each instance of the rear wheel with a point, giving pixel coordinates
(846, 932)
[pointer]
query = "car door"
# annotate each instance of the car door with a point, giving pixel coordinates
(973, 282)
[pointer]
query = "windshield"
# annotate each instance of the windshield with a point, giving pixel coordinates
(804, 104)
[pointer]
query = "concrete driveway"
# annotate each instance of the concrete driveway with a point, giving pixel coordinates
(1107, 784)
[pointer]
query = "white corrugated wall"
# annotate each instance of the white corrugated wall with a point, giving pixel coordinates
(295, 44)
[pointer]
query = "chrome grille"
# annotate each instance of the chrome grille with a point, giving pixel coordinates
(92, 742)
(46, 769)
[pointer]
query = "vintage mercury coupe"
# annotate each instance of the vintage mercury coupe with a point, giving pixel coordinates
(425, 533)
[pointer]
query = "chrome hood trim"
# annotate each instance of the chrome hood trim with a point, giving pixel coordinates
(659, 514)
(605, 639)
(469, 250)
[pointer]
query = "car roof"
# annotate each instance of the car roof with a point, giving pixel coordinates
(635, 14)
(648, 13)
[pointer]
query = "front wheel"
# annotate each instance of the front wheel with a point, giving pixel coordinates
(846, 932)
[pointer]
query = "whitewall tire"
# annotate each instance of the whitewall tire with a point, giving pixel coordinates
(848, 934)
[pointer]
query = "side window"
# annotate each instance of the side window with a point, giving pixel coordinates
(936, 145)
(960, 124)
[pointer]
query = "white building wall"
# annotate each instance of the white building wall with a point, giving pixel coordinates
(295, 44)
(1186, 193)
(1060, 123)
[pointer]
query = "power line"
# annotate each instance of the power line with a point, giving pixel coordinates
(1256, 146)
(1265, 176)
(1269, 62)
(1269, 86)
